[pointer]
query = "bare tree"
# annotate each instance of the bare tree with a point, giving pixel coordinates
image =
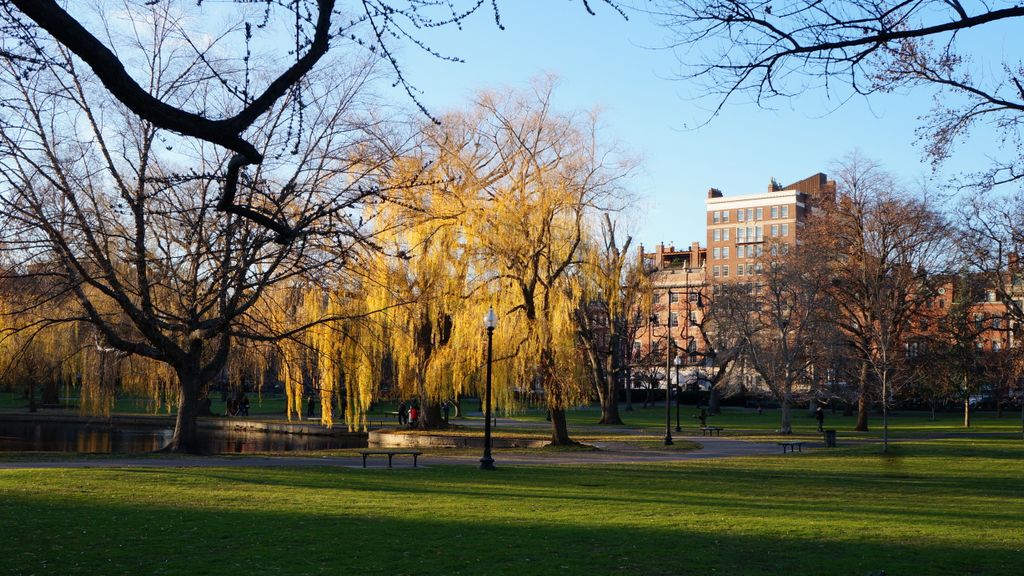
(607, 318)
(767, 49)
(101, 202)
(720, 347)
(882, 247)
(777, 321)
(32, 31)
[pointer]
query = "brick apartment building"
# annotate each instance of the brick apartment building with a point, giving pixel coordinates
(738, 230)
(741, 228)
(678, 279)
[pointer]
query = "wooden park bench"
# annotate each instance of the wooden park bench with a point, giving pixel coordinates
(791, 446)
(391, 454)
(710, 430)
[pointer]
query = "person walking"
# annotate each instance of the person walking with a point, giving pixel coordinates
(819, 415)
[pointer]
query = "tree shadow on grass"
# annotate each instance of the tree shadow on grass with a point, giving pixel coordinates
(277, 536)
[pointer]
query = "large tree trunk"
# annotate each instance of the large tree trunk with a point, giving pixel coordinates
(786, 425)
(51, 392)
(185, 439)
(431, 415)
(598, 380)
(967, 412)
(714, 402)
(863, 400)
(559, 429)
(610, 397)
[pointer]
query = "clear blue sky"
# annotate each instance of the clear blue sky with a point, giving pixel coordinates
(603, 60)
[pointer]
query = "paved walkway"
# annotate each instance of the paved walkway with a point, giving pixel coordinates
(609, 453)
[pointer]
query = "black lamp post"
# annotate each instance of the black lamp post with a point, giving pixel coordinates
(678, 361)
(490, 321)
(668, 375)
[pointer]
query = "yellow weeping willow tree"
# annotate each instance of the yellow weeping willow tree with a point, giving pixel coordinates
(532, 181)
(496, 217)
(330, 354)
(416, 285)
(38, 352)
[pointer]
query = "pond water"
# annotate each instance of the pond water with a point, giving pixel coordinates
(102, 438)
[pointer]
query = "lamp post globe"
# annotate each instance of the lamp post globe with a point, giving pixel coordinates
(490, 322)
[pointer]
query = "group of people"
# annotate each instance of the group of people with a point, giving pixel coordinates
(409, 413)
(238, 405)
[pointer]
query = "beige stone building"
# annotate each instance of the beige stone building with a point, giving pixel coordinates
(741, 228)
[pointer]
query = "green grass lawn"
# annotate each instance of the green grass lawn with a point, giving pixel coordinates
(942, 507)
(746, 422)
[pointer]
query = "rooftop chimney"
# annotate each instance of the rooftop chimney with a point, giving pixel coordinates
(714, 193)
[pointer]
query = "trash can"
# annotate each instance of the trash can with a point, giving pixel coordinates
(830, 438)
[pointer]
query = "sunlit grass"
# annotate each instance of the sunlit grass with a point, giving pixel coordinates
(941, 507)
(747, 422)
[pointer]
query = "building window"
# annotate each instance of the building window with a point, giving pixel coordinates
(740, 235)
(673, 297)
(760, 214)
(760, 235)
(725, 215)
(725, 234)
(673, 319)
(725, 252)
(785, 229)
(979, 321)
(997, 345)
(716, 216)
(739, 215)
(775, 212)
(760, 250)
(991, 295)
(997, 323)
(785, 211)
(655, 298)
(725, 270)
(750, 269)
(693, 316)
(739, 270)
(714, 271)
(750, 214)
(775, 230)
(716, 235)
(716, 253)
